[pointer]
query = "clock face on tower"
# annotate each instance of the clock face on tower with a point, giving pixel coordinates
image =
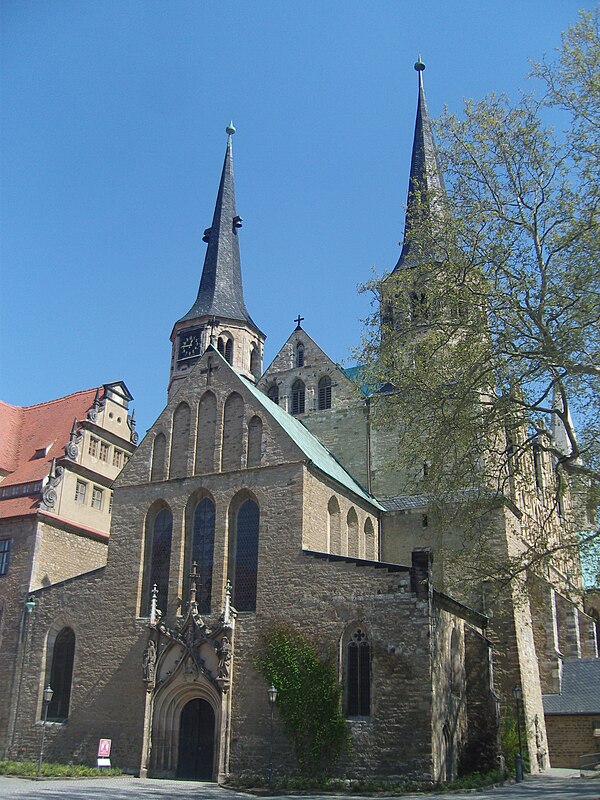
(189, 344)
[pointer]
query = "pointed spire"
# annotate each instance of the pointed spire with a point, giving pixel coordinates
(221, 293)
(426, 190)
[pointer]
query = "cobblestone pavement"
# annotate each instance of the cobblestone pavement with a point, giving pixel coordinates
(126, 788)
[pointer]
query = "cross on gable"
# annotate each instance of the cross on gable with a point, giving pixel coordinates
(213, 324)
(298, 320)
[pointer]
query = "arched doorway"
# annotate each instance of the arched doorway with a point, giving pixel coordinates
(196, 741)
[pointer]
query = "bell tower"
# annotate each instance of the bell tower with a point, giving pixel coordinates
(405, 292)
(219, 315)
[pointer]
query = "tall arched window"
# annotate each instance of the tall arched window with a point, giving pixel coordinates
(298, 395)
(324, 393)
(61, 674)
(246, 556)
(205, 441)
(159, 530)
(255, 428)
(233, 424)
(180, 441)
(221, 345)
(158, 471)
(202, 552)
(358, 675)
(334, 533)
(273, 393)
(299, 354)
(229, 351)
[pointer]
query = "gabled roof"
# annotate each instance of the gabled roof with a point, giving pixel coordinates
(45, 426)
(580, 688)
(312, 448)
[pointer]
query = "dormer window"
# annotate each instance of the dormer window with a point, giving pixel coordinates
(41, 452)
(299, 354)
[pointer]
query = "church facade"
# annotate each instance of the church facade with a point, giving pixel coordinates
(262, 498)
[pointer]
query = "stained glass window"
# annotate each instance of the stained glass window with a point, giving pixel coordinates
(61, 674)
(203, 544)
(158, 557)
(246, 557)
(358, 675)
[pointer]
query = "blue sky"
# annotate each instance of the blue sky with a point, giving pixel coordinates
(112, 145)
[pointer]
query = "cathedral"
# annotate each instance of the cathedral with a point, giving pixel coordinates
(259, 497)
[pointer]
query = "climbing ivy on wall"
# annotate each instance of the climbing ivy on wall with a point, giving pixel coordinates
(308, 698)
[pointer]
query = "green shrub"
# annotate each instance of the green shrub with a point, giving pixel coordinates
(49, 770)
(308, 698)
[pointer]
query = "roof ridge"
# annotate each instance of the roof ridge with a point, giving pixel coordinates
(56, 399)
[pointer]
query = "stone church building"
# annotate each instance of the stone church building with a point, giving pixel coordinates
(264, 497)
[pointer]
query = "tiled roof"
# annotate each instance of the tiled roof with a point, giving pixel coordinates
(25, 430)
(404, 502)
(580, 690)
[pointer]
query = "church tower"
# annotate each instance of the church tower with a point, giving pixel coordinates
(219, 315)
(405, 292)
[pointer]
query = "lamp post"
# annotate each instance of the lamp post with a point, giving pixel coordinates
(272, 692)
(518, 695)
(48, 692)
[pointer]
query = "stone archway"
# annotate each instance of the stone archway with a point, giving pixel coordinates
(186, 740)
(195, 759)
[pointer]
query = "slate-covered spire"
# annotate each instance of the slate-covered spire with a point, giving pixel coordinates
(221, 293)
(426, 190)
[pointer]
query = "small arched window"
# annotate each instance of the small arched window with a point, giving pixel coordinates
(203, 544)
(61, 674)
(298, 397)
(324, 393)
(358, 675)
(246, 556)
(419, 306)
(159, 531)
(229, 351)
(273, 394)
(255, 362)
(221, 345)
(299, 354)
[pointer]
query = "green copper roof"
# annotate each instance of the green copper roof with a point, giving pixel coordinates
(310, 445)
(312, 448)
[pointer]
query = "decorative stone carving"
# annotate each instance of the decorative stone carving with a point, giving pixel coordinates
(149, 663)
(49, 495)
(72, 446)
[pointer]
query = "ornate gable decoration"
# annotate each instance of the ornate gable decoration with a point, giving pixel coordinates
(191, 649)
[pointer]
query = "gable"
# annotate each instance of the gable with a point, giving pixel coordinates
(218, 421)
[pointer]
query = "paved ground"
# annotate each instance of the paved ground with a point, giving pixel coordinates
(560, 785)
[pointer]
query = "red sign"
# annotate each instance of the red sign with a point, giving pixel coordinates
(104, 748)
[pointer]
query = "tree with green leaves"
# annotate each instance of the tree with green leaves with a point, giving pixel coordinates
(489, 331)
(308, 698)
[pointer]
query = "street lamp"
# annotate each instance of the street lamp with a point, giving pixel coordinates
(518, 695)
(272, 692)
(30, 604)
(48, 692)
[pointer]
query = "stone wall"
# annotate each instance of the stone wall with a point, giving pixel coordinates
(571, 736)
